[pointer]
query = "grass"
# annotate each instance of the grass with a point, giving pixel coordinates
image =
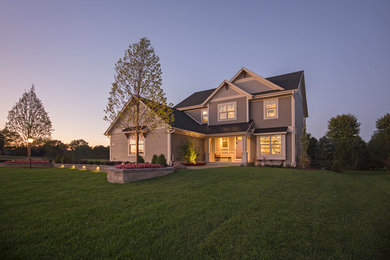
(236, 213)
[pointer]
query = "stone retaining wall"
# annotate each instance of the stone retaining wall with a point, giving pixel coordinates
(133, 175)
(89, 167)
(115, 175)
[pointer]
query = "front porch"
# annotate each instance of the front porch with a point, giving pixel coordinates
(227, 149)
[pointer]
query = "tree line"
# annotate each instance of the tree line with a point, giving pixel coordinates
(342, 148)
(12, 144)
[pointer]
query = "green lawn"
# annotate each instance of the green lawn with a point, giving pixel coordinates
(236, 213)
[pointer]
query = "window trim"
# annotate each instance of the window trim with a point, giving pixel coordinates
(128, 146)
(226, 104)
(201, 115)
(264, 108)
(281, 156)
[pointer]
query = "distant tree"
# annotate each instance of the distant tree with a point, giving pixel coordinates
(28, 117)
(80, 149)
(312, 151)
(379, 145)
(343, 132)
(304, 160)
(54, 148)
(2, 142)
(324, 153)
(138, 78)
(101, 152)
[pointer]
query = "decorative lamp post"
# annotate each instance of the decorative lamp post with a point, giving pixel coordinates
(29, 141)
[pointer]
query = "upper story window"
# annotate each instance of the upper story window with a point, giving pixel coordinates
(205, 115)
(270, 108)
(133, 144)
(227, 111)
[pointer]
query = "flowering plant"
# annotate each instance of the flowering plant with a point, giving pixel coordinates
(134, 166)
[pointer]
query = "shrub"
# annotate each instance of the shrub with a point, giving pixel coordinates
(189, 151)
(67, 159)
(336, 166)
(155, 159)
(162, 161)
(140, 159)
(58, 159)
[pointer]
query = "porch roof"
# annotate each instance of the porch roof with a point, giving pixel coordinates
(270, 130)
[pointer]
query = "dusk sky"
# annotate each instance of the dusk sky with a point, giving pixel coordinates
(68, 50)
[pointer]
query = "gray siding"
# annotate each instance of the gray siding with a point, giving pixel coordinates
(225, 92)
(256, 112)
(252, 86)
(156, 142)
(241, 110)
(178, 140)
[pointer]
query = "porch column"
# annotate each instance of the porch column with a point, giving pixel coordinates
(207, 153)
(244, 153)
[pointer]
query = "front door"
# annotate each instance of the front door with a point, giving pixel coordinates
(238, 147)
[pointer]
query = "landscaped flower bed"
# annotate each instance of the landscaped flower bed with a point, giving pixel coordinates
(135, 166)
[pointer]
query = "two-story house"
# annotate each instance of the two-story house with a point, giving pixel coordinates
(246, 119)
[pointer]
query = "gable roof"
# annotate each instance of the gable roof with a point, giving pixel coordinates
(196, 98)
(257, 77)
(226, 83)
(289, 81)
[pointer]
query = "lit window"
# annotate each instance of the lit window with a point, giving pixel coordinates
(271, 144)
(225, 143)
(270, 108)
(205, 115)
(227, 111)
(133, 144)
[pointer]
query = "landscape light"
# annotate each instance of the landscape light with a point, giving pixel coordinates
(73, 167)
(83, 167)
(62, 166)
(97, 168)
(30, 140)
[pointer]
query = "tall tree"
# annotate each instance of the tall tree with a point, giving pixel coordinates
(136, 97)
(28, 118)
(304, 159)
(343, 132)
(379, 145)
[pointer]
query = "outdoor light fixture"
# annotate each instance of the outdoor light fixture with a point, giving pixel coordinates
(98, 168)
(83, 167)
(73, 167)
(29, 142)
(62, 166)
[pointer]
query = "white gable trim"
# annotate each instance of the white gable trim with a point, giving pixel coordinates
(234, 87)
(258, 78)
